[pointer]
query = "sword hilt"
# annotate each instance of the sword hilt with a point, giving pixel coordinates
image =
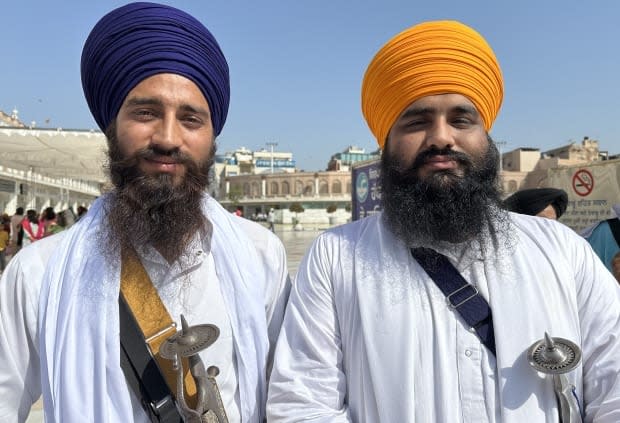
(557, 357)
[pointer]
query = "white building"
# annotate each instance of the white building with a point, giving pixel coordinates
(351, 155)
(247, 162)
(50, 167)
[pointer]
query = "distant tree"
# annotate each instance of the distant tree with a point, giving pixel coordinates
(332, 208)
(348, 207)
(235, 194)
(296, 208)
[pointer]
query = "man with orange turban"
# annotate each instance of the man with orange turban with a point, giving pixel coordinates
(428, 311)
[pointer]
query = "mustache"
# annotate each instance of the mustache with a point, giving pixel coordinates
(425, 156)
(154, 152)
(123, 168)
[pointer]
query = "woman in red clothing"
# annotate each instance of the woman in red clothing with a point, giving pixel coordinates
(34, 229)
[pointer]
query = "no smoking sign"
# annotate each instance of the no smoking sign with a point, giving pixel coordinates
(583, 182)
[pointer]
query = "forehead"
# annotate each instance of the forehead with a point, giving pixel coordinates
(440, 102)
(168, 86)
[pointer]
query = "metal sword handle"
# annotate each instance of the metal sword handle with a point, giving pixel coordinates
(209, 407)
(188, 343)
(557, 357)
(189, 415)
(567, 402)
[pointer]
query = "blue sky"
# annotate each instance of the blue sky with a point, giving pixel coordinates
(297, 65)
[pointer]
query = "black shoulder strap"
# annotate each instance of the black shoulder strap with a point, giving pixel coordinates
(614, 225)
(462, 296)
(141, 371)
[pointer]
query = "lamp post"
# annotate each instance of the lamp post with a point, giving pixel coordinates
(272, 144)
(499, 145)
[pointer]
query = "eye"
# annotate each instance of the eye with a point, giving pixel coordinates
(462, 121)
(143, 114)
(416, 123)
(192, 119)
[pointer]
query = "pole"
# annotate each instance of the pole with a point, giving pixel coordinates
(272, 144)
(499, 145)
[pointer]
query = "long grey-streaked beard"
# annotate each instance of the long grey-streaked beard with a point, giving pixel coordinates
(150, 209)
(445, 206)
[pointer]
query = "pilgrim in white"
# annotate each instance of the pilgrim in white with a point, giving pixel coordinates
(369, 336)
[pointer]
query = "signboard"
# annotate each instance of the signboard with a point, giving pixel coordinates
(592, 191)
(366, 192)
(583, 182)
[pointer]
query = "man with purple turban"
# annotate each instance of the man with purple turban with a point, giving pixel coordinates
(154, 252)
(436, 309)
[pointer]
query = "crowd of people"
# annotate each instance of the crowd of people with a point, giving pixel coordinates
(604, 236)
(19, 231)
(425, 312)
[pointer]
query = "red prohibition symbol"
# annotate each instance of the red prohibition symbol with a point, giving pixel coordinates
(583, 182)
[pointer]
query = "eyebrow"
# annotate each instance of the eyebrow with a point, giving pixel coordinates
(418, 111)
(197, 110)
(152, 101)
(465, 108)
(144, 101)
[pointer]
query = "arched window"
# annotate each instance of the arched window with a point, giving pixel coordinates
(323, 187)
(286, 190)
(299, 187)
(246, 189)
(337, 187)
(255, 189)
(274, 188)
(309, 189)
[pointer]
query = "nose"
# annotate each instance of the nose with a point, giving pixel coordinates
(440, 135)
(167, 135)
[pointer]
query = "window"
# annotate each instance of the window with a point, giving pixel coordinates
(323, 187)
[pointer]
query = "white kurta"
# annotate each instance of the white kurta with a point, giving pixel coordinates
(194, 291)
(368, 336)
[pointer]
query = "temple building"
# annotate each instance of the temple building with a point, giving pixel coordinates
(40, 168)
(325, 196)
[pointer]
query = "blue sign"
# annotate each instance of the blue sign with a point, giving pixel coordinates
(366, 198)
(361, 186)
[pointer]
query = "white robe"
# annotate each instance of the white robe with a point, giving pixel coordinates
(53, 342)
(368, 336)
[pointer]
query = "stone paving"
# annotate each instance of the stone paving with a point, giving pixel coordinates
(295, 242)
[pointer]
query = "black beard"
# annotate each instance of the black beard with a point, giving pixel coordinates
(151, 209)
(451, 206)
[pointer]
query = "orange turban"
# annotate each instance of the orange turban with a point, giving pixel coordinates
(431, 58)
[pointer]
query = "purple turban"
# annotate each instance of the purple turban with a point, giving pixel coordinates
(139, 40)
